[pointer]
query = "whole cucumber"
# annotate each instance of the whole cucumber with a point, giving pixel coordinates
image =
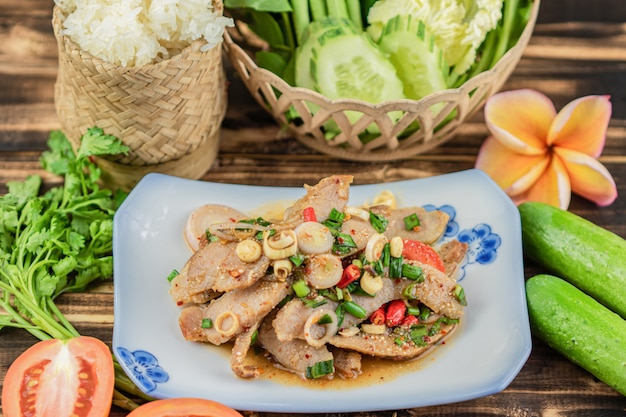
(577, 250)
(581, 329)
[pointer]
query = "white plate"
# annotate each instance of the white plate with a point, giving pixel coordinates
(492, 344)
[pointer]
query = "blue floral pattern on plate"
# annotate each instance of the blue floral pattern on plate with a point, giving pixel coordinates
(482, 243)
(144, 367)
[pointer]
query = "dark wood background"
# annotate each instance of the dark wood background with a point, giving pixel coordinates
(579, 48)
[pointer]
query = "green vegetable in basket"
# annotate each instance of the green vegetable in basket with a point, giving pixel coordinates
(459, 27)
(383, 50)
(472, 35)
(339, 61)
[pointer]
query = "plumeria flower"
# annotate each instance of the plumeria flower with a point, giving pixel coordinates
(537, 154)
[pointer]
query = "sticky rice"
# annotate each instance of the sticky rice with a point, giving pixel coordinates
(140, 32)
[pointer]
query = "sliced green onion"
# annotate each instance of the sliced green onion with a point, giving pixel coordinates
(259, 220)
(206, 324)
(336, 216)
(395, 267)
(343, 243)
(378, 267)
(210, 237)
(379, 223)
(341, 313)
(338, 294)
(353, 308)
(412, 272)
(320, 369)
(417, 334)
(259, 235)
(411, 221)
(425, 312)
(301, 288)
(459, 293)
(285, 301)
(385, 257)
(334, 221)
(262, 222)
(172, 275)
(297, 259)
(325, 319)
(434, 328)
(316, 302)
(409, 291)
(413, 311)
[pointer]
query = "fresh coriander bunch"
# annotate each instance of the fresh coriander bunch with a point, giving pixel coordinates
(59, 240)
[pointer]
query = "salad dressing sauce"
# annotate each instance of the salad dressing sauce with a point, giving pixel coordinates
(374, 370)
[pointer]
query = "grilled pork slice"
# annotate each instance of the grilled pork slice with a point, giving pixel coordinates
(295, 355)
(391, 290)
(242, 344)
(437, 292)
(432, 225)
(204, 217)
(452, 254)
(431, 228)
(290, 319)
(330, 192)
(347, 363)
(215, 268)
(395, 346)
(232, 313)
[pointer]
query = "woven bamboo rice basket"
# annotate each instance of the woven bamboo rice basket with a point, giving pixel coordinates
(437, 115)
(168, 113)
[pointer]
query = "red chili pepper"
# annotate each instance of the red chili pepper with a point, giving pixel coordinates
(410, 320)
(419, 251)
(309, 214)
(378, 316)
(350, 274)
(395, 312)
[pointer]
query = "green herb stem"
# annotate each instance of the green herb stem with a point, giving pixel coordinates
(318, 9)
(337, 8)
(508, 21)
(62, 319)
(354, 12)
(288, 30)
(301, 17)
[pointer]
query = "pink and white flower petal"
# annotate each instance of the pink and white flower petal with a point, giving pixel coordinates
(589, 178)
(520, 120)
(513, 172)
(581, 125)
(552, 187)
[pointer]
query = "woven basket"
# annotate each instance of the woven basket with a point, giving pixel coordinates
(168, 114)
(435, 127)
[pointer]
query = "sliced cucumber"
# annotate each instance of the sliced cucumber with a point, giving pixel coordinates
(351, 66)
(419, 63)
(316, 32)
(338, 60)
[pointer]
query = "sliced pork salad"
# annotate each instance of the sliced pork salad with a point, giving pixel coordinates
(322, 286)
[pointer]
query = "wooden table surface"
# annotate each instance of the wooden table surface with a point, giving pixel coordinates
(579, 48)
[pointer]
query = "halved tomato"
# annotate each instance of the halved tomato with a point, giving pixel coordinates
(60, 378)
(179, 407)
(421, 252)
